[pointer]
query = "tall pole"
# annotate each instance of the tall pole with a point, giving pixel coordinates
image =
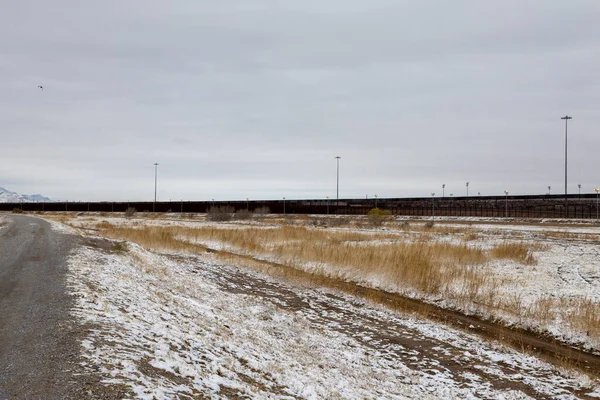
(327, 201)
(155, 185)
(284, 206)
(443, 189)
(597, 191)
(566, 118)
(433, 206)
(337, 190)
(467, 189)
(506, 204)
(376, 201)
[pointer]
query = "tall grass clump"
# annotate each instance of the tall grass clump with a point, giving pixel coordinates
(378, 216)
(519, 251)
(220, 213)
(242, 214)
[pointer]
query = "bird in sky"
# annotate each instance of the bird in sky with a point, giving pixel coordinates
(40, 87)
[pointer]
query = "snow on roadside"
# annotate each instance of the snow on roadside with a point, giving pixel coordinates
(167, 332)
(567, 270)
(61, 228)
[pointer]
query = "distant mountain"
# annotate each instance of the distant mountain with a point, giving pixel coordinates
(6, 196)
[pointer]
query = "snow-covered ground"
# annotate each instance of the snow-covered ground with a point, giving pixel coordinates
(177, 326)
(567, 271)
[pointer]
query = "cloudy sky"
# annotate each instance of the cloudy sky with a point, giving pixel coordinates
(239, 98)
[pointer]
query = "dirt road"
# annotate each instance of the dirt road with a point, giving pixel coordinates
(39, 341)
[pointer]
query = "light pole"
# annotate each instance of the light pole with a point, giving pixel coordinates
(443, 189)
(327, 201)
(597, 191)
(284, 206)
(376, 201)
(247, 204)
(432, 206)
(155, 185)
(579, 186)
(549, 189)
(337, 190)
(506, 204)
(181, 206)
(467, 189)
(566, 118)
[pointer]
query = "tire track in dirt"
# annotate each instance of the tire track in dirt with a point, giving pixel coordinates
(396, 337)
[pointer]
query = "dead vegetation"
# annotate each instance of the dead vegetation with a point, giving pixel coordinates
(452, 270)
(517, 251)
(440, 262)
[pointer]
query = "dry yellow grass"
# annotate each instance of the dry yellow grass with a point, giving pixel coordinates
(430, 267)
(411, 258)
(518, 251)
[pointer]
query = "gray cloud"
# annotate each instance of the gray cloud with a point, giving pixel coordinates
(255, 99)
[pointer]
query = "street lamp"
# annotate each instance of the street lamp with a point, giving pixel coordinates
(284, 206)
(467, 189)
(506, 204)
(549, 189)
(443, 189)
(327, 201)
(247, 204)
(579, 186)
(376, 201)
(337, 190)
(566, 118)
(155, 184)
(597, 191)
(432, 206)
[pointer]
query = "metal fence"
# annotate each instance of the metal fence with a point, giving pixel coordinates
(547, 206)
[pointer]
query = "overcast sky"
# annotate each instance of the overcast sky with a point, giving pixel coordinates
(239, 98)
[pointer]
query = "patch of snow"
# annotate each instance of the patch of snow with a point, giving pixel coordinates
(169, 329)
